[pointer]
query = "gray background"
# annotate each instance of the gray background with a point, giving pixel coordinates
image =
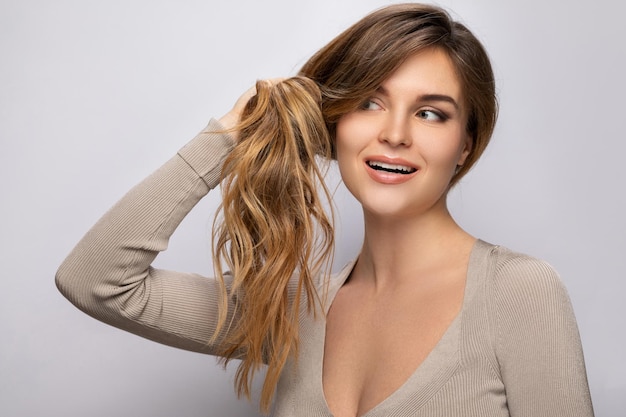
(96, 95)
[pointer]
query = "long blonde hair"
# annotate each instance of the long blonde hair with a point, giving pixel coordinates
(274, 234)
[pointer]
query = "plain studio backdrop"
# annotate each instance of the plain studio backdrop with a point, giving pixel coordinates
(95, 95)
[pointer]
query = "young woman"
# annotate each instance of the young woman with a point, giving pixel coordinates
(426, 321)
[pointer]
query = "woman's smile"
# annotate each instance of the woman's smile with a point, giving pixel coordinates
(388, 170)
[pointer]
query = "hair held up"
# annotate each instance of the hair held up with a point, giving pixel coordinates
(274, 227)
(273, 232)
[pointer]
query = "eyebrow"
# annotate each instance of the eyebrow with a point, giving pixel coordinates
(427, 97)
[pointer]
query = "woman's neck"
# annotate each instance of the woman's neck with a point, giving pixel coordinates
(399, 249)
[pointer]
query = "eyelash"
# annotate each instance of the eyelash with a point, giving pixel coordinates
(366, 103)
(441, 117)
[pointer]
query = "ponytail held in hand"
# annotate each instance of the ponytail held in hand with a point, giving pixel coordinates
(272, 231)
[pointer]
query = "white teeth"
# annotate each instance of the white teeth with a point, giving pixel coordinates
(390, 167)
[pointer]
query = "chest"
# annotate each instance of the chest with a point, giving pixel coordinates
(373, 344)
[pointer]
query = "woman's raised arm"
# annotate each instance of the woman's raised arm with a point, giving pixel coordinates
(109, 275)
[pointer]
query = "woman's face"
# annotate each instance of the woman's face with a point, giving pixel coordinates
(399, 150)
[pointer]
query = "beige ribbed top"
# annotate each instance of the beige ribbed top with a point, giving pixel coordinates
(513, 350)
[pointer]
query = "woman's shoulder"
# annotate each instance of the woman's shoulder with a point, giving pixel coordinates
(516, 275)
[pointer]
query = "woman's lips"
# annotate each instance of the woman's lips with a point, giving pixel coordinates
(387, 170)
(393, 168)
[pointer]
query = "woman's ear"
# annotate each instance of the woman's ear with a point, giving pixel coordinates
(468, 145)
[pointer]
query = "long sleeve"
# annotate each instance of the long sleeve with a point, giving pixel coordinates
(537, 342)
(108, 274)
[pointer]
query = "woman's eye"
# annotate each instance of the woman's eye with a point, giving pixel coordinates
(430, 115)
(370, 105)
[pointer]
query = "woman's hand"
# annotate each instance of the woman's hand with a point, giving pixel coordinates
(231, 119)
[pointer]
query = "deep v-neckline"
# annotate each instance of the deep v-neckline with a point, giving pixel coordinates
(432, 373)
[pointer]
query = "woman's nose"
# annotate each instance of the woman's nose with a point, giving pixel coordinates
(396, 131)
